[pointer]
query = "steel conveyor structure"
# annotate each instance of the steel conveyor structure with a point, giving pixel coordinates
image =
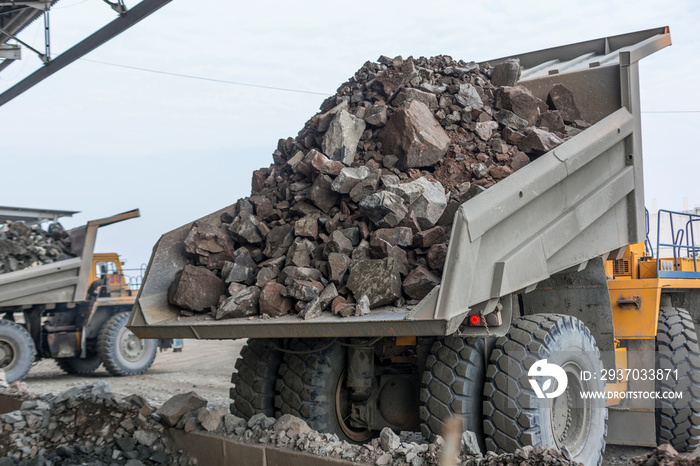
(15, 16)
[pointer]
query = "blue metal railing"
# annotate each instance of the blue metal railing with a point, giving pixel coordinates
(682, 244)
(647, 243)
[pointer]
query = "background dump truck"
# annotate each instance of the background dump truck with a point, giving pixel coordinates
(524, 281)
(73, 310)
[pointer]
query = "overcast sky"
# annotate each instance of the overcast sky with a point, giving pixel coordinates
(104, 139)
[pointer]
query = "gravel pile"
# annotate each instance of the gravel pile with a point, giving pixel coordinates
(91, 426)
(355, 212)
(23, 246)
(86, 426)
(665, 455)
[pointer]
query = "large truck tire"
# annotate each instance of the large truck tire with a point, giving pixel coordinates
(678, 420)
(17, 351)
(453, 384)
(80, 366)
(254, 381)
(311, 386)
(516, 417)
(122, 352)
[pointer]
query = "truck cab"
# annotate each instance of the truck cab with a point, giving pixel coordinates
(107, 270)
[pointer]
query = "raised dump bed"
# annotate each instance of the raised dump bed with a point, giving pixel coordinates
(579, 201)
(64, 281)
(60, 310)
(544, 227)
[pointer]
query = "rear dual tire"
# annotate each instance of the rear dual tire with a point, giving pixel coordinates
(452, 385)
(254, 381)
(80, 366)
(311, 386)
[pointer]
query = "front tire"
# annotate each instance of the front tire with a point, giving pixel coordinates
(311, 386)
(17, 351)
(122, 352)
(254, 380)
(678, 421)
(80, 366)
(516, 417)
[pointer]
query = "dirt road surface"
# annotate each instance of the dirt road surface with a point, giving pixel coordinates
(203, 366)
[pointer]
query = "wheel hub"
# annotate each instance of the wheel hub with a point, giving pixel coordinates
(7, 355)
(343, 410)
(570, 414)
(131, 346)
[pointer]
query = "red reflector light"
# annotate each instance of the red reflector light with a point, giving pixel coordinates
(475, 320)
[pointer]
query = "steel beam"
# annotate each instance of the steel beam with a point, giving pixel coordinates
(87, 45)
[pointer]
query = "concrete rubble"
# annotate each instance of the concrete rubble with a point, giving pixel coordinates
(23, 246)
(364, 197)
(91, 425)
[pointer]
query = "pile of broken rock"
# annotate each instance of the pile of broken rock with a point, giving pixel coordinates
(90, 425)
(355, 212)
(86, 425)
(23, 246)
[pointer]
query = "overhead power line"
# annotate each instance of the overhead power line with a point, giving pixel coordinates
(204, 78)
(274, 88)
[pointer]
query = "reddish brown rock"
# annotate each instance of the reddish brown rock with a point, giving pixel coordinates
(303, 290)
(419, 282)
(519, 160)
(244, 228)
(521, 101)
(551, 121)
(321, 193)
(172, 410)
(337, 304)
(414, 136)
(263, 208)
(243, 304)
(562, 99)
(436, 256)
(400, 236)
(498, 172)
(307, 227)
(196, 289)
(259, 178)
(391, 80)
(337, 266)
(210, 245)
(279, 239)
(323, 164)
(377, 279)
(538, 141)
(299, 273)
(375, 115)
(425, 239)
(512, 136)
(272, 302)
(506, 73)
(234, 288)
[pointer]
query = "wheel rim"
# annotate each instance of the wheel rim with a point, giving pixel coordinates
(131, 347)
(343, 411)
(8, 355)
(570, 414)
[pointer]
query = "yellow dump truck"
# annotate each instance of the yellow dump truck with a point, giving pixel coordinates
(529, 337)
(74, 310)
